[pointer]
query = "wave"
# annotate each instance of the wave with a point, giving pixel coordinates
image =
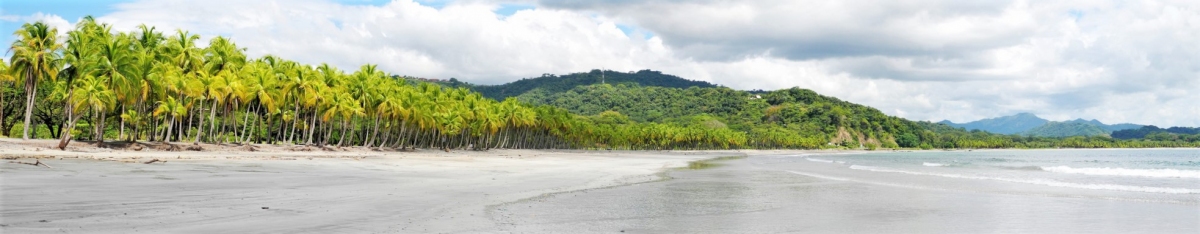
(929, 164)
(1024, 168)
(824, 161)
(1115, 187)
(1117, 171)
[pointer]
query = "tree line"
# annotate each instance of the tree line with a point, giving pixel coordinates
(100, 85)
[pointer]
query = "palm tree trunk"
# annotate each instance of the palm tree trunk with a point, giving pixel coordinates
(121, 135)
(295, 117)
(66, 135)
(200, 127)
(342, 139)
(170, 125)
(245, 124)
(311, 127)
(30, 93)
(369, 142)
(69, 110)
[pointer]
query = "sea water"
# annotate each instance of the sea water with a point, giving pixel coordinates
(1148, 171)
(995, 191)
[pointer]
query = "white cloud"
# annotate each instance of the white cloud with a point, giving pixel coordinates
(922, 59)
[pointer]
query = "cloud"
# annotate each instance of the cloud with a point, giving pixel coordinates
(458, 40)
(1115, 61)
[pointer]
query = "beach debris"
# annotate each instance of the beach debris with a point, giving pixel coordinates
(154, 161)
(36, 163)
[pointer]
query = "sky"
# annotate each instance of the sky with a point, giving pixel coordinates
(1112, 60)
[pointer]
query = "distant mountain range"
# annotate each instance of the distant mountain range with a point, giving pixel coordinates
(1030, 124)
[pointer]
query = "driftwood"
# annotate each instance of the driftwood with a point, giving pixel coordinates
(154, 161)
(36, 163)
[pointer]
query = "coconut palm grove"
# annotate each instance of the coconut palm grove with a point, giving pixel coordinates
(98, 85)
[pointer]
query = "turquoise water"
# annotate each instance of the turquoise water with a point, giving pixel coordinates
(1007, 191)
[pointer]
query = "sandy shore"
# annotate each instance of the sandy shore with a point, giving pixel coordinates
(290, 189)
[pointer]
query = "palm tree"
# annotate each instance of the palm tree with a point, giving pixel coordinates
(116, 64)
(35, 57)
(5, 77)
(172, 110)
(93, 96)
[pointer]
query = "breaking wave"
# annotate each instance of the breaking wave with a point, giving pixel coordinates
(1117, 171)
(1052, 183)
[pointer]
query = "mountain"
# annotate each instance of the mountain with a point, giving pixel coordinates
(554, 83)
(1029, 124)
(1107, 128)
(1012, 124)
(1142, 132)
(792, 116)
(647, 102)
(1066, 129)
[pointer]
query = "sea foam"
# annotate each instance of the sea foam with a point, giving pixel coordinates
(1117, 171)
(929, 164)
(1052, 183)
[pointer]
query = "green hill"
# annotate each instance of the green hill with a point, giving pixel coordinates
(812, 118)
(1066, 129)
(555, 83)
(1029, 124)
(1003, 125)
(787, 118)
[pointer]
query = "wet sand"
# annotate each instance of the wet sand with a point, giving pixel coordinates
(352, 191)
(766, 194)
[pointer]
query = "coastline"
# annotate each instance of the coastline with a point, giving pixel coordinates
(294, 189)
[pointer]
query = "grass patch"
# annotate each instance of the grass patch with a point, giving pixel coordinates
(710, 163)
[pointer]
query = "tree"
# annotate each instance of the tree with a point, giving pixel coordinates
(92, 95)
(908, 140)
(35, 57)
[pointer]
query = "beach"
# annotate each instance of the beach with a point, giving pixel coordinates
(991, 191)
(277, 190)
(296, 189)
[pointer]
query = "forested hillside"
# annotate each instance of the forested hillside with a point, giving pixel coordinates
(1154, 132)
(1012, 124)
(559, 83)
(789, 118)
(1066, 129)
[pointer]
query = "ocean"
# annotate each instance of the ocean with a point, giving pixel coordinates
(990, 191)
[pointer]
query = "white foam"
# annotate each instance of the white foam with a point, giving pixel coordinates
(929, 164)
(1052, 183)
(1117, 171)
(818, 160)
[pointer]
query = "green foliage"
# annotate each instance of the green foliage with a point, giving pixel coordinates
(1143, 132)
(557, 84)
(1066, 129)
(908, 140)
(1012, 124)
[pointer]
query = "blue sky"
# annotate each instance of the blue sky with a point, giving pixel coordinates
(72, 10)
(1112, 60)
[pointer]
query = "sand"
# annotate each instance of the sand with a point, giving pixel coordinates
(293, 189)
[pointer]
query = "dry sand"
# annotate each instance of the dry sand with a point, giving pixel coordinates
(291, 189)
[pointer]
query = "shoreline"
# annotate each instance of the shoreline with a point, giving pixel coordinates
(99, 190)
